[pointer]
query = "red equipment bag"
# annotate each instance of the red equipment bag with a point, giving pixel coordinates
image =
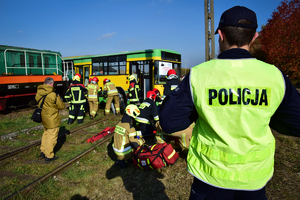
(102, 134)
(155, 156)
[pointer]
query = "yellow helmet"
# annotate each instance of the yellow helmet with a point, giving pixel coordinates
(131, 78)
(77, 77)
(132, 110)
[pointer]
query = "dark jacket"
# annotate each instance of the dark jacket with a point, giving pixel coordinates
(76, 94)
(170, 85)
(148, 112)
(52, 103)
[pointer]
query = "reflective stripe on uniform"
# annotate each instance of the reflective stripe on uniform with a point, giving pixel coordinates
(122, 151)
(112, 91)
(173, 87)
(142, 120)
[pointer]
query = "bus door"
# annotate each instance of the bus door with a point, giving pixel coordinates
(84, 71)
(141, 70)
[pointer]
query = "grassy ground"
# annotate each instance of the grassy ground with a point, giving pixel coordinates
(96, 177)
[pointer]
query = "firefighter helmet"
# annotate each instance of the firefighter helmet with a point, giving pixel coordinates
(77, 77)
(156, 91)
(95, 79)
(132, 110)
(171, 71)
(105, 81)
(90, 80)
(131, 78)
(151, 95)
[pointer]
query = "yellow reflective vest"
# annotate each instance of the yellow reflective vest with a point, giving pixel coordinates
(232, 146)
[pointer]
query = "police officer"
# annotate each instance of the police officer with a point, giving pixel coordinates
(149, 114)
(233, 99)
(93, 90)
(172, 82)
(134, 91)
(126, 138)
(75, 95)
(111, 91)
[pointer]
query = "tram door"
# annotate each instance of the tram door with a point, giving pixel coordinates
(141, 71)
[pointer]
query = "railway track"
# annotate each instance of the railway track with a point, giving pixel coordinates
(21, 157)
(73, 130)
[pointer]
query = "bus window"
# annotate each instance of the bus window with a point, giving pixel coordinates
(122, 67)
(160, 71)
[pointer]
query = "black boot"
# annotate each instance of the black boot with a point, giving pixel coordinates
(47, 160)
(121, 163)
(42, 155)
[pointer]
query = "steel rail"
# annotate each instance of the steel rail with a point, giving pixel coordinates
(61, 167)
(75, 129)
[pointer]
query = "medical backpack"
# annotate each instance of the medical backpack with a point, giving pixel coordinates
(155, 156)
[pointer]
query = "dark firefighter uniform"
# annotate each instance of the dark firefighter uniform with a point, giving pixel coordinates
(75, 95)
(112, 94)
(170, 85)
(93, 90)
(149, 112)
(134, 92)
(126, 138)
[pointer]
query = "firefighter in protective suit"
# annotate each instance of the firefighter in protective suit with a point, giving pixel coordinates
(149, 114)
(126, 138)
(172, 82)
(134, 91)
(93, 90)
(75, 95)
(111, 91)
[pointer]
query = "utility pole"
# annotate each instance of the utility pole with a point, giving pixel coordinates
(209, 30)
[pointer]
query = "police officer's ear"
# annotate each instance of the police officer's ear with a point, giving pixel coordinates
(254, 37)
(221, 35)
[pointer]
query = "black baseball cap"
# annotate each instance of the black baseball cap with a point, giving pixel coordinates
(231, 17)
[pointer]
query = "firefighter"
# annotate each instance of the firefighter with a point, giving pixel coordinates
(134, 91)
(172, 82)
(179, 139)
(159, 99)
(93, 90)
(126, 138)
(149, 114)
(111, 91)
(75, 95)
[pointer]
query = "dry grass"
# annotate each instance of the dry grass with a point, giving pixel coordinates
(96, 177)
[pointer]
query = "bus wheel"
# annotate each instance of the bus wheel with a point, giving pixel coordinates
(122, 103)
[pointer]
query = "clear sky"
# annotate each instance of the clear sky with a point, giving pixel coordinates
(88, 27)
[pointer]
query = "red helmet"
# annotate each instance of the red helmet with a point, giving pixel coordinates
(171, 71)
(95, 79)
(151, 95)
(156, 91)
(90, 80)
(105, 80)
(78, 75)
